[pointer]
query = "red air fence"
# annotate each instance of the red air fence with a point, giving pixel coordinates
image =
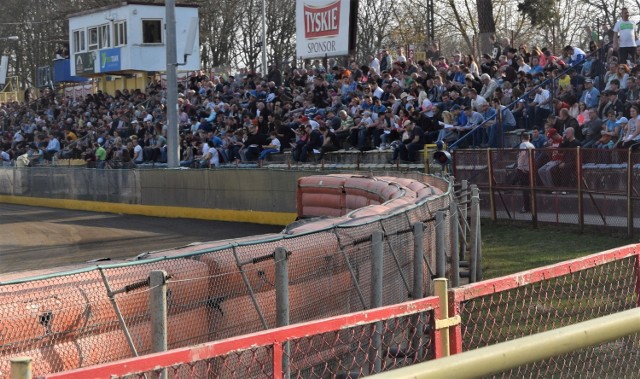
(378, 340)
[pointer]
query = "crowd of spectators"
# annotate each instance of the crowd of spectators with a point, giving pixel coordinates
(390, 102)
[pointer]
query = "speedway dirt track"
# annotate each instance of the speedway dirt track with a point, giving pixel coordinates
(35, 237)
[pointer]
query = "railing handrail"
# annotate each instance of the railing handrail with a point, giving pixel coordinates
(277, 336)
(511, 354)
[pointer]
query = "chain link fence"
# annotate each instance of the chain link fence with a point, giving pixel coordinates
(585, 187)
(505, 309)
(349, 346)
(367, 342)
(223, 289)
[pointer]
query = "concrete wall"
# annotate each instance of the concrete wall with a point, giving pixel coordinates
(260, 196)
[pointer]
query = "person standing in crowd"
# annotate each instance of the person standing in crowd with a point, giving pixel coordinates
(521, 174)
(624, 38)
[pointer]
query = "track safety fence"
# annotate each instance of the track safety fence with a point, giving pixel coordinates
(588, 187)
(94, 314)
(378, 340)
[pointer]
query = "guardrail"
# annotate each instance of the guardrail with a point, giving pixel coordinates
(592, 187)
(479, 315)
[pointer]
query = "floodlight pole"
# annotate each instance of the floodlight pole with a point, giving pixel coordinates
(264, 39)
(173, 137)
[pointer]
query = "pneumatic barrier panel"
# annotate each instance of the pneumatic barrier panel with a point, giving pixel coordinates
(96, 314)
(494, 311)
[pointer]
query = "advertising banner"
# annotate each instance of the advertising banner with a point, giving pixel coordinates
(322, 28)
(85, 63)
(110, 60)
(4, 67)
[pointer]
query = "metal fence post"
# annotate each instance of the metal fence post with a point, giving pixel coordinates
(282, 301)
(418, 262)
(533, 202)
(377, 272)
(492, 201)
(441, 256)
(629, 194)
(443, 323)
(455, 244)
(418, 287)
(579, 188)
(479, 275)
(158, 311)
(21, 368)
(473, 264)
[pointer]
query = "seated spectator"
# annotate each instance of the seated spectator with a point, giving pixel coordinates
(593, 131)
(346, 124)
(361, 133)
(590, 95)
(474, 120)
(188, 152)
(53, 146)
(210, 157)
(329, 142)
(5, 158)
(506, 122)
(481, 136)
(560, 159)
(610, 101)
(564, 121)
(407, 149)
(540, 107)
(537, 139)
(252, 145)
(274, 147)
(632, 131)
(312, 143)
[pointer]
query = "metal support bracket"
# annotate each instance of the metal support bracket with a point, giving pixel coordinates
(448, 322)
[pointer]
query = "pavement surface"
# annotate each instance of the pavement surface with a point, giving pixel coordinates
(37, 238)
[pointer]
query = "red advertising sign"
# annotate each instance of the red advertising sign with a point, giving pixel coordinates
(322, 21)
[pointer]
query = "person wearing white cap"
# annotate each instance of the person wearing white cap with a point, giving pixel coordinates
(590, 95)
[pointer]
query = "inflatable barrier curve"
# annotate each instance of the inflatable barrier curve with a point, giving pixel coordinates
(67, 318)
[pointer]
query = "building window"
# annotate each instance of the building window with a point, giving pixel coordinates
(151, 31)
(93, 38)
(79, 43)
(120, 33)
(104, 37)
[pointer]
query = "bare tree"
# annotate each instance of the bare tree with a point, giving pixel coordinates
(281, 31)
(250, 35)
(218, 32)
(374, 21)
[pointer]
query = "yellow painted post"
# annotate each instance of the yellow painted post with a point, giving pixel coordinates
(21, 368)
(503, 356)
(443, 323)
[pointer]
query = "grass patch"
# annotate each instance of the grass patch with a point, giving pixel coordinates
(507, 249)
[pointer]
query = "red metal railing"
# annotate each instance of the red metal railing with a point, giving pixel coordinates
(492, 311)
(275, 339)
